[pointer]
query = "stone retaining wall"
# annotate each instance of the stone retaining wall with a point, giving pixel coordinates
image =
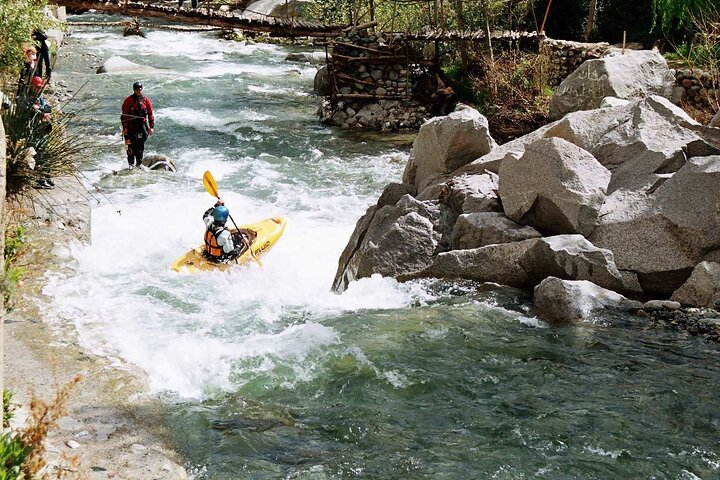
(380, 81)
(698, 89)
(565, 56)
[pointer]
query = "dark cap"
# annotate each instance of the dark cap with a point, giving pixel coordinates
(137, 85)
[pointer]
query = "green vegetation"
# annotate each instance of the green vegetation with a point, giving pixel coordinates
(12, 452)
(18, 18)
(37, 146)
(14, 241)
(21, 451)
(679, 14)
(8, 408)
(401, 16)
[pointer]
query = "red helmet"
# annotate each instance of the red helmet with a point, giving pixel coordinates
(37, 82)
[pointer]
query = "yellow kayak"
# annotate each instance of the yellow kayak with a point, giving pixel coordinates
(262, 235)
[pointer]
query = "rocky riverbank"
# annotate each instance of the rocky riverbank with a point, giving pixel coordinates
(113, 429)
(614, 201)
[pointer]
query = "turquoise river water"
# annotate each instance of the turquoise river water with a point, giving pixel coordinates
(265, 373)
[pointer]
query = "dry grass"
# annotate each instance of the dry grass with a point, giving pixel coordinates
(43, 418)
(515, 90)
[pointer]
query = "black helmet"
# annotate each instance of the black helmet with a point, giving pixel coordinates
(137, 85)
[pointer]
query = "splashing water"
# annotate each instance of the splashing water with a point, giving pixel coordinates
(270, 374)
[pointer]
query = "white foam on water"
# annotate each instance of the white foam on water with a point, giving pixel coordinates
(217, 69)
(188, 331)
(194, 334)
(207, 121)
(276, 91)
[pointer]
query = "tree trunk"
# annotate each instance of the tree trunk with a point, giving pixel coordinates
(461, 26)
(591, 19)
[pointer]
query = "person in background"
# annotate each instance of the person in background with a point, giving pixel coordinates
(138, 122)
(44, 52)
(27, 72)
(35, 96)
(221, 245)
(40, 127)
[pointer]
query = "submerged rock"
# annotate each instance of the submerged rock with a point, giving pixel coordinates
(157, 161)
(560, 301)
(117, 64)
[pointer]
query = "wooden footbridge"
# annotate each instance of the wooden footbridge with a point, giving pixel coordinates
(209, 17)
(205, 16)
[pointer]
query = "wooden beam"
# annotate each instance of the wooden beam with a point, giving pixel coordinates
(183, 28)
(205, 16)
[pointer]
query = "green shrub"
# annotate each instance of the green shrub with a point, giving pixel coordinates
(22, 451)
(13, 454)
(14, 241)
(8, 408)
(37, 148)
(18, 18)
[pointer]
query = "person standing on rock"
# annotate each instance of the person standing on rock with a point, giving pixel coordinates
(138, 122)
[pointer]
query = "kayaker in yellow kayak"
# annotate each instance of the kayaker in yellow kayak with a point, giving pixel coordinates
(221, 245)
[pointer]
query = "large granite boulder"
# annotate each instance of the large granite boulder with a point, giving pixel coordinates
(702, 289)
(560, 301)
(526, 263)
(661, 236)
(715, 122)
(466, 193)
(392, 240)
(473, 230)
(632, 75)
(117, 64)
(445, 143)
(638, 142)
(556, 187)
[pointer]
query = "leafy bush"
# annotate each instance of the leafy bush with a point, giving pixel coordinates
(21, 451)
(13, 454)
(513, 87)
(18, 18)
(14, 240)
(37, 148)
(8, 408)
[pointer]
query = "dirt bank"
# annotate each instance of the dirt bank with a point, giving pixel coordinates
(113, 427)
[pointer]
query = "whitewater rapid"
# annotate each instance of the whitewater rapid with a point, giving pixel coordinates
(247, 116)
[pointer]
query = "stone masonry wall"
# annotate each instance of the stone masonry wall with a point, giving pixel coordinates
(565, 56)
(698, 89)
(379, 81)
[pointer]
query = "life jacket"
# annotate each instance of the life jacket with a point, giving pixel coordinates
(212, 247)
(139, 111)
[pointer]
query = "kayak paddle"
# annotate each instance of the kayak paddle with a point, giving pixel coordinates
(212, 189)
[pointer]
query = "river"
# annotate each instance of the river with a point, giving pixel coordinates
(264, 373)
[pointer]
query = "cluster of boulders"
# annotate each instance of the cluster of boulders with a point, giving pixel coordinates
(376, 80)
(566, 56)
(698, 89)
(612, 201)
(384, 115)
